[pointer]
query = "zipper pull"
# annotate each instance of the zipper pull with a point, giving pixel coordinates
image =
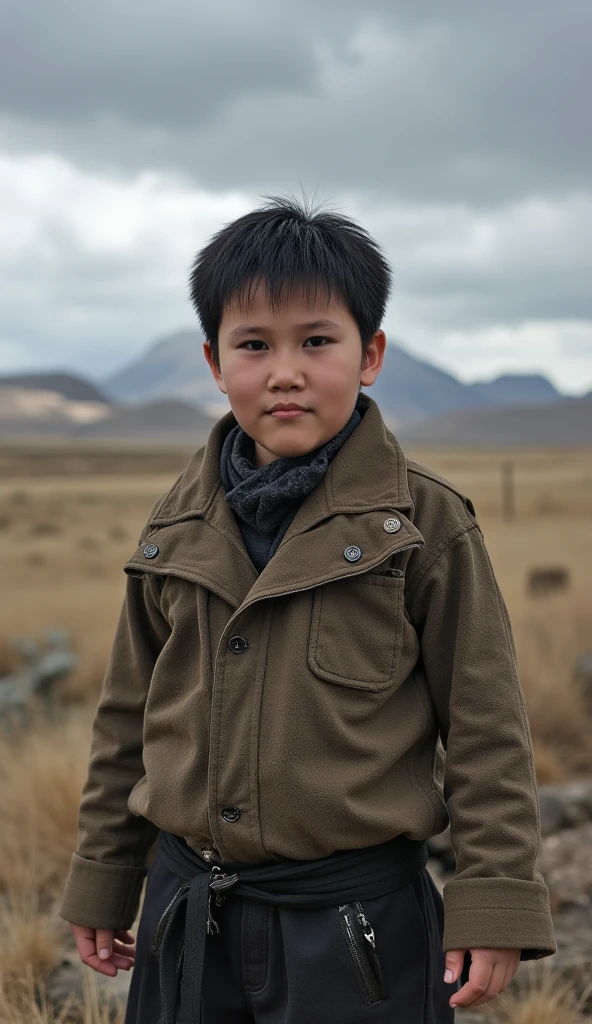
(366, 927)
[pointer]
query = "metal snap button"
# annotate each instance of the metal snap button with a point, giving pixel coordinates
(230, 813)
(392, 524)
(237, 644)
(151, 551)
(352, 553)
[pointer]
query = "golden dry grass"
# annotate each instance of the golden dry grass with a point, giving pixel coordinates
(27, 943)
(25, 1002)
(42, 772)
(539, 998)
(41, 777)
(69, 520)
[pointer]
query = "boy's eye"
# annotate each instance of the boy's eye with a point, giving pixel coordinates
(315, 337)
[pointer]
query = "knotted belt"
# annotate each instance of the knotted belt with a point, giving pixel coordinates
(180, 936)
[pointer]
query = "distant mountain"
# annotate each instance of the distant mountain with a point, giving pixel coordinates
(39, 411)
(567, 422)
(168, 394)
(167, 421)
(407, 390)
(69, 385)
(173, 367)
(515, 389)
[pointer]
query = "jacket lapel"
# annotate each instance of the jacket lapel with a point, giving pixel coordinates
(198, 536)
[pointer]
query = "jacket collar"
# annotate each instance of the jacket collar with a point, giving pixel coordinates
(198, 536)
(368, 471)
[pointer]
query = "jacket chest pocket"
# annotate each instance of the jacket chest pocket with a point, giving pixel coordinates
(357, 630)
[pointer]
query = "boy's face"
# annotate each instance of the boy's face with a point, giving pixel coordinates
(285, 357)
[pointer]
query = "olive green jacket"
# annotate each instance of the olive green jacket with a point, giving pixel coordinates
(309, 697)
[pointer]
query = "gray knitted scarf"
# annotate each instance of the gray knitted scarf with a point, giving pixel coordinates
(266, 498)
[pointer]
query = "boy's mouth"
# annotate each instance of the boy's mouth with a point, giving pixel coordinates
(287, 411)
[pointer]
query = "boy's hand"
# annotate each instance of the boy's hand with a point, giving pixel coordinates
(120, 947)
(490, 973)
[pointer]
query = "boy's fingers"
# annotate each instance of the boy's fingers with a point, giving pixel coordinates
(496, 984)
(511, 971)
(454, 964)
(127, 953)
(102, 966)
(125, 963)
(88, 955)
(479, 975)
(121, 951)
(127, 948)
(104, 943)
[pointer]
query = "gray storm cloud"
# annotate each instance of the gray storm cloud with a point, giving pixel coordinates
(466, 101)
(457, 133)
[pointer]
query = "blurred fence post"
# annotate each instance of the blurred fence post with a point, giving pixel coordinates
(508, 491)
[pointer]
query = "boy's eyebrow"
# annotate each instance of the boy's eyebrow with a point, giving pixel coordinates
(243, 329)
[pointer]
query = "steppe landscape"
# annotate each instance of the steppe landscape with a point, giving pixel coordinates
(70, 514)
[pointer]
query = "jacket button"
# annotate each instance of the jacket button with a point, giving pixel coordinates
(352, 553)
(392, 524)
(230, 813)
(151, 551)
(237, 644)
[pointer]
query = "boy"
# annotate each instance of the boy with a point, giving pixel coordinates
(306, 612)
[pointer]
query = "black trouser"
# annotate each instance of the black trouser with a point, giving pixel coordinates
(273, 964)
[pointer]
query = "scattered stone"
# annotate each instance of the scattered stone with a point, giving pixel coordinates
(583, 673)
(566, 862)
(37, 677)
(552, 811)
(67, 982)
(565, 805)
(565, 859)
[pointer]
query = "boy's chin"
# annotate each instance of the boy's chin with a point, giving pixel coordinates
(286, 451)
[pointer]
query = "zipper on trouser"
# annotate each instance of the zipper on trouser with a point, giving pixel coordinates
(361, 943)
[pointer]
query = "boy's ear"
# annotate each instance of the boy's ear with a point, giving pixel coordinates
(373, 359)
(207, 347)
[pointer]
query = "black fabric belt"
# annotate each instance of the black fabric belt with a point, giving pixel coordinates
(180, 936)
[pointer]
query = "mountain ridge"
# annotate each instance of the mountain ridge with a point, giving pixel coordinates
(408, 388)
(168, 393)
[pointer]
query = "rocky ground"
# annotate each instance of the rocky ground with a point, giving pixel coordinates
(566, 862)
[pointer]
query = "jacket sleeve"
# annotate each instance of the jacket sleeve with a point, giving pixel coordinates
(498, 897)
(107, 869)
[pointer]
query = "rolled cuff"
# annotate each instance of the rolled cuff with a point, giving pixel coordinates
(498, 913)
(101, 895)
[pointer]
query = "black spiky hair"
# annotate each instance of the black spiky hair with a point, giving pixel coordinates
(288, 244)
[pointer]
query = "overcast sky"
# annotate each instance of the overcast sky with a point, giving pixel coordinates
(457, 133)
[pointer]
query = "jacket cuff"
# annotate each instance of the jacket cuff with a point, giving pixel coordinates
(101, 895)
(499, 913)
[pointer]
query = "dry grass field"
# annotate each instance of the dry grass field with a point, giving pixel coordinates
(69, 517)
